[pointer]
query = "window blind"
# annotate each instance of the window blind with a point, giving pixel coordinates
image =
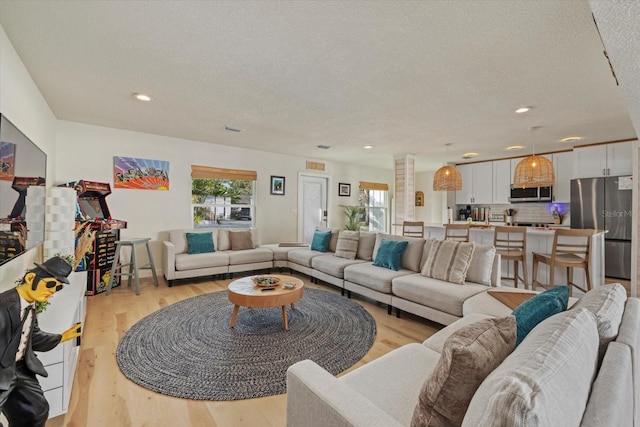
(208, 172)
(364, 185)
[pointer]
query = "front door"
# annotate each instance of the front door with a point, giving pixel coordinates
(312, 205)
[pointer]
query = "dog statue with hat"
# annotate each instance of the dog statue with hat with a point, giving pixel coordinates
(22, 400)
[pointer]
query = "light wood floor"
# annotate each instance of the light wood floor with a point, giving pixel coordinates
(102, 396)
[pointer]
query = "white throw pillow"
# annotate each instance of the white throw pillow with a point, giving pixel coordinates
(347, 245)
(481, 264)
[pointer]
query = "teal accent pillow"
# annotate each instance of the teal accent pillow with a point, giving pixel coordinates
(390, 253)
(536, 309)
(200, 243)
(321, 241)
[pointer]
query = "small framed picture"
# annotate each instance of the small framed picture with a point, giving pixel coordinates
(344, 189)
(277, 185)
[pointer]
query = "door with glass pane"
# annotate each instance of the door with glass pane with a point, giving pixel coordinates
(312, 205)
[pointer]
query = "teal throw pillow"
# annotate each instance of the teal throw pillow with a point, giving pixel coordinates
(390, 253)
(321, 241)
(200, 243)
(536, 309)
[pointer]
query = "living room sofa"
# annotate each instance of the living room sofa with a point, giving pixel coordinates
(179, 264)
(580, 367)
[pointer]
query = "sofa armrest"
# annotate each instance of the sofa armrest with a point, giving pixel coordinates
(169, 260)
(317, 398)
(496, 271)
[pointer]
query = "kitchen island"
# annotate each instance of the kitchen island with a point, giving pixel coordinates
(539, 239)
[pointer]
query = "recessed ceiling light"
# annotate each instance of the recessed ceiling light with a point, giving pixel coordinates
(233, 129)
(571, 139)
(142, 97)
(515, 147)
(523, 110)
(469, 155)
(368, 147)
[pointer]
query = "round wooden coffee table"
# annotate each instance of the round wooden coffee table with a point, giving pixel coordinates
(245, 293)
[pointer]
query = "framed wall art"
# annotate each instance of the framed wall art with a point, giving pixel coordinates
(344, 189)
(277, 185)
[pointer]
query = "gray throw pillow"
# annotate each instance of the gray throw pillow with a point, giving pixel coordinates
(347, 245)
(240, 240)
(448, 261)
(469, 355)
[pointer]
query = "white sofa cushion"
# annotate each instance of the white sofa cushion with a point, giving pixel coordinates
(606, 302)
(249, 256)
(375, 278)
(303, 256)
(435, 293)
(546, 381)
(195, 261)
(332, 265)
(393, 381)
(366, 243)
(481, 263)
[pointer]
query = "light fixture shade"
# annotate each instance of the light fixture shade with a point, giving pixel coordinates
(534, 171)
(447, 178)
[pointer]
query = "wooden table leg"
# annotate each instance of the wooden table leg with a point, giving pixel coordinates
(234, 316)
(284, 317)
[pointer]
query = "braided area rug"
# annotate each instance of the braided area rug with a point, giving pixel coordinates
(188, 349)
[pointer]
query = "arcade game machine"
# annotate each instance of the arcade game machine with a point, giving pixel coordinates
(14, 226)
(92, 208)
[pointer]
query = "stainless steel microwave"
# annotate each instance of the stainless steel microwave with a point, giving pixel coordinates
(535, 194)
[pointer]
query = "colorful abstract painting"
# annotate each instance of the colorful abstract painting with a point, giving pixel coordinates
(7, 160)
(140, 174)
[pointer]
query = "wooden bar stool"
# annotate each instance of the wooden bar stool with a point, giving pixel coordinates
(459, 232)
(413, 228)
(571, 249)
(511, 244)
(133, 264)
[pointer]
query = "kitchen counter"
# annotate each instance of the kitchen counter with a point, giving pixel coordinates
(539, 239)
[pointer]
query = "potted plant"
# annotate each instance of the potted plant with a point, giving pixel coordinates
(353, 214)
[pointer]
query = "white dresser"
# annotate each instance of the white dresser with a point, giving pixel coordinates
(67, 308)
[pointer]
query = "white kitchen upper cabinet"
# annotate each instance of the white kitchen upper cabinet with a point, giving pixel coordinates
(483, 183)
(603, 160)
(563, 168)
(620, 158)
(501, 181)
(465, 196)
(477, 185)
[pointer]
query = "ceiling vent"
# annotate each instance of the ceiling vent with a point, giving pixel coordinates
(323, 147)
(233, 129)
(315, 166)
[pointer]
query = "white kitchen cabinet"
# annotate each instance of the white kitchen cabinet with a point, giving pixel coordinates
(563, 168)
(501, 181)
(67, 308)
(477, 188)
(603, 160)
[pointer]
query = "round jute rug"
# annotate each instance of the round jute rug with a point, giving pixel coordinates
(188, 349)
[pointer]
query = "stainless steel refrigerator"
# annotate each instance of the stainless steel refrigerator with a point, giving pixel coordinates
(605, 204)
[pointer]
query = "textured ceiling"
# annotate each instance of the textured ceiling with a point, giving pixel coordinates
(405, 77)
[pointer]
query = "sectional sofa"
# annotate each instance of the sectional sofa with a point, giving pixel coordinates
(407, 289)
(580, 367)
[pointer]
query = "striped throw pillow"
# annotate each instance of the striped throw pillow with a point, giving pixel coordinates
(347, 246)
(448, 261)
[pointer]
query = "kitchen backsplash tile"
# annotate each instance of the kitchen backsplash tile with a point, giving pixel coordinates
(531, 212)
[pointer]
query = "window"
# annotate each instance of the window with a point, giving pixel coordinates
(222, 197)
(375, 198)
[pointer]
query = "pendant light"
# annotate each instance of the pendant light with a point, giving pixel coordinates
(534, 171)
(447, 178)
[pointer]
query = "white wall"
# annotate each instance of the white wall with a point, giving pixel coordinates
(23, 104)
(435, 208)
(87, 151)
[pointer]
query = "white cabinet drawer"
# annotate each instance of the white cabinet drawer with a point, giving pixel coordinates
(54, 397)
(55, 378)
